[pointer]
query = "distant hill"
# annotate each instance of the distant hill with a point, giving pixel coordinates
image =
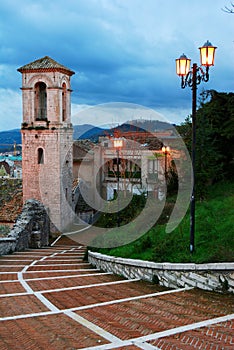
(85, 131)
(8, 138)
(88, 131)
(150, 125)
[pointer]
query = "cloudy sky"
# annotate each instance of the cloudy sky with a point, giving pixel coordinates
(121, 50)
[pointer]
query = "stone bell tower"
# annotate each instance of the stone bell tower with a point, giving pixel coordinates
(47, 137)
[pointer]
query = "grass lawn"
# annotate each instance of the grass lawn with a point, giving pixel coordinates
(214, 234)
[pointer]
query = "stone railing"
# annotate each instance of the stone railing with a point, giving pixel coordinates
(217, 277)
(31, 229)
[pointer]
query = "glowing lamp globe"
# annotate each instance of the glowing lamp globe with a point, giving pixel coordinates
(182, 65)
(207, 53)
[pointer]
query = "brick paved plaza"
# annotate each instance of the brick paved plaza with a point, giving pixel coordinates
(51, 299)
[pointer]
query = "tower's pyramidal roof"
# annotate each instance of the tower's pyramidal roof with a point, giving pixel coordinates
(45, 64)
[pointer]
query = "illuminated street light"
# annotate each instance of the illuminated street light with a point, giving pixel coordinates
(192, 78)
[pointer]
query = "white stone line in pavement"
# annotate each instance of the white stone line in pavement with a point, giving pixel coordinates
(35, 314)
(185, 328)
(68, 288)
(154, 336)
(88, 286)
(15, 260)
(146, 346)
(39, 252)
(37, 294)
(16, 294)
(46, 302)
(11, 266)
(60, 264)
(133, 341)
(10, 281)
(59, 277)
(23, 283)
(91, 326)
(79, 308)
(68, 276)
(68, 313)
(75, 252)
(138, 297)
(63, 246)
(21, 278)
(48, 259)
(44, 258)
(58, 238)
(28, 256)
(64, 256)
(64, 270)
(67, 254)
(78, 231)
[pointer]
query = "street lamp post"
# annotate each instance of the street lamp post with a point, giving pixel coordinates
(118, 144)
(192, 78)
(166, 150)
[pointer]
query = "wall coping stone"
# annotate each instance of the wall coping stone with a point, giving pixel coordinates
(218, 277)
(7, 239)
(166, 265)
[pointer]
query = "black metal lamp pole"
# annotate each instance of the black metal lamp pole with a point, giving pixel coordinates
(192, 78)
(118, 217)
(192, 200)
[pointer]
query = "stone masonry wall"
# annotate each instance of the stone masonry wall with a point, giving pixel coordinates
(31, 229)
(217, 277)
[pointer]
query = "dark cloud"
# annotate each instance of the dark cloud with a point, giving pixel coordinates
(120, 50)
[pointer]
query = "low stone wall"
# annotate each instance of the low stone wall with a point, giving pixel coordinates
(218, 277)
(31, 229)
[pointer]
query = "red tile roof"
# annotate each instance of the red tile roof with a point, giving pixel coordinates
(45, 63)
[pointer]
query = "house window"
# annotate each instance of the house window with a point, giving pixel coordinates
(152, 166)
(40, 101)
(40, 156)
(152, 169)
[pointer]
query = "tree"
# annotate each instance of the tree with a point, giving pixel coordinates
(219, 111)
(215, 138)
(229, 9)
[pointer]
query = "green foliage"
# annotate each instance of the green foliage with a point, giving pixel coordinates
(126, 215)
(4, 230)
(214, 139)
(172, 180)
(214, 234)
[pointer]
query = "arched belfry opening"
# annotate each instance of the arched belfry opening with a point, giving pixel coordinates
(64, 102)
(40, 102)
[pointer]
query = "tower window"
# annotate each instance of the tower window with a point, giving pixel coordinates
(40, 156)
(64, 102)
(40, 101)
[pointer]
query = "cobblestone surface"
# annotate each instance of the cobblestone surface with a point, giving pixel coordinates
(51, 299)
